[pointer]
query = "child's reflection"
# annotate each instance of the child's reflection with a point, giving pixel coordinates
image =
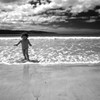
(26, 75)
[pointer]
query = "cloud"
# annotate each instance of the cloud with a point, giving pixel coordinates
(8, 1)
(75, 6)
(22, 17)
(12, 1)
(98, 11)
(54, 11)
(91, 20)
(25, 13)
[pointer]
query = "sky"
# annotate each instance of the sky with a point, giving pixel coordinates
(59, 16)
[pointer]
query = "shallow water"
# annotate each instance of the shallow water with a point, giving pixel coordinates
(52, 50)
(52, 82)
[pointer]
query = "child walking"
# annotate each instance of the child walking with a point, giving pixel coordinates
(25, 45)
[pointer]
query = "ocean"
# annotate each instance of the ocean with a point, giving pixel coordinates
(52, 50)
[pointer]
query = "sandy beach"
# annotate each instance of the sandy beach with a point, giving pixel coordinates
(50, 82)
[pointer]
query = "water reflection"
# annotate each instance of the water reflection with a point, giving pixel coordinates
(26, 74)
(30, 73)
(31, 81)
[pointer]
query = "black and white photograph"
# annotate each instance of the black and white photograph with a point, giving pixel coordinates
(49, 49)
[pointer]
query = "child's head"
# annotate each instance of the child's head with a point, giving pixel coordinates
(24, 35)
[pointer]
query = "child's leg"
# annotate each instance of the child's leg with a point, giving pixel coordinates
(23, 50)
(26, 53)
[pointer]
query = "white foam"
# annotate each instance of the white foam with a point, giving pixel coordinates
(9, 38)
(10, 54)
(56, 63)
(6, 38)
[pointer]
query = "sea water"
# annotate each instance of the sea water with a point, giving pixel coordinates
(52, 50)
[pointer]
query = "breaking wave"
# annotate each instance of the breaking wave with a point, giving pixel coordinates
(52, 50)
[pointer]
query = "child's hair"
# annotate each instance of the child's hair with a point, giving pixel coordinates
(24, 34)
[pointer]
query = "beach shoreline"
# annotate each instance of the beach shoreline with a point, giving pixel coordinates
(50, 82)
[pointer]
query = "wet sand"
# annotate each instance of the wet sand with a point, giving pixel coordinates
(50, 82)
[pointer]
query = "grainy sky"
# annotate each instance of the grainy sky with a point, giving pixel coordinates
(56, 15)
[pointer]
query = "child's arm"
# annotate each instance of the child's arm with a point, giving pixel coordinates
(17, 43)
(29, 43)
